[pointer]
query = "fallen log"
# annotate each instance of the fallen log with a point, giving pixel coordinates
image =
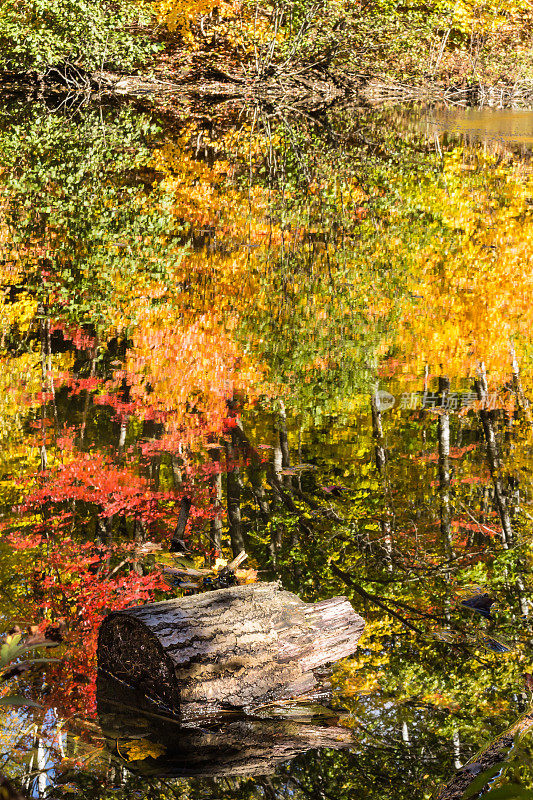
(236, 648)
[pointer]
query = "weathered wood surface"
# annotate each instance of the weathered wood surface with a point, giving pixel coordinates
(240, 647)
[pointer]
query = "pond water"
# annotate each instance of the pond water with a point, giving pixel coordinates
(316, 328)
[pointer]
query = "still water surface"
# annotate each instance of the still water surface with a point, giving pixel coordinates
(353, 290)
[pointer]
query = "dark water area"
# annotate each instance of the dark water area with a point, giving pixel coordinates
(316, 329)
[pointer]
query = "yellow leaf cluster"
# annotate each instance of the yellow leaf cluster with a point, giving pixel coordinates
(143, 748)
(476, 296)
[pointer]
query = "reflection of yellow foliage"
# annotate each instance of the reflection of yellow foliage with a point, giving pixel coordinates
(20, 313)
(476, 296)
(207, 194)
(20, 380)
(360, 674)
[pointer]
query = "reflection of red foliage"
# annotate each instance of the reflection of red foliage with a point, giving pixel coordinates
(229, 423)
(81, 581)
(80, 338)
(455, 452)
(92, 478)
(76, 385)
(79, 586)
(389, 367)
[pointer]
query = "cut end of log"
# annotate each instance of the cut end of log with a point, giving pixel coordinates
(132, 653)
(239, 647)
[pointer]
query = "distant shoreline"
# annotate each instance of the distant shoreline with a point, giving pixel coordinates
(310, 88)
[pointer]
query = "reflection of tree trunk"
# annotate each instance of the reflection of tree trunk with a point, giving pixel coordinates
(176, 472)
(255, 474)
(522, 596)
(176, 543)
(27, 779)
(405, 733)
(50, 375)
(444, 468)
(381, 465)
(377, 432)
(233, 495)
(277, 461)
(494, 461)
(44, 372)
(92, 373)
(122, 433)
(155, 466)
(139, 536)
(456, 749)
(42, 760)
(284, 443)
(273, 480)
(521, 400)
(216, 488)
(276, 540)
(102, 533)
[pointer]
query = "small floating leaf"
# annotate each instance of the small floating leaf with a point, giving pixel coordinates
(143, 748)
(297, 469)
(17, 701)
(446, 635)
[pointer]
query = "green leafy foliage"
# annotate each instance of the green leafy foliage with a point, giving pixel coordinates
(77, 186)
(36, 34)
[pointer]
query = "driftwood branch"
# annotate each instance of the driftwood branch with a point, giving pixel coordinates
(491, 755)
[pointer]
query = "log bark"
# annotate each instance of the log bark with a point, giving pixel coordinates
(241, 647)
(233, 495)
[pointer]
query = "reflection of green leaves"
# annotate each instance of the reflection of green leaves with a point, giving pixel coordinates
(10, 649)
(71, 189)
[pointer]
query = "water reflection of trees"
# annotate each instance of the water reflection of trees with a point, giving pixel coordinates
(296, 267)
